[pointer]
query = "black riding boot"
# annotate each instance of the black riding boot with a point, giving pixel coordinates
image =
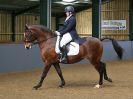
(64, 55)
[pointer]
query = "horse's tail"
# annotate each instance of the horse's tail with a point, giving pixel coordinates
(116, 46)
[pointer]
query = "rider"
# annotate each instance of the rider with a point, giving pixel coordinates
(67, 32)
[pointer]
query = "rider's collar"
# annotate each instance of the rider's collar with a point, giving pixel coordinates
(68, 17)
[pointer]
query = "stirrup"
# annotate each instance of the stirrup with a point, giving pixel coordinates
(63, 60)
(59, 56)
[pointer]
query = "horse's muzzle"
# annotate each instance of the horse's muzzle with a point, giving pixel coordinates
(27, 46)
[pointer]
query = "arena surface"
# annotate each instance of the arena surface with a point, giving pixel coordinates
(80, 81)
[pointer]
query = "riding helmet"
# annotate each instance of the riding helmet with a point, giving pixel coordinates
(69, 9)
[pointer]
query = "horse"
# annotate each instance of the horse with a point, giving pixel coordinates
(91, 50)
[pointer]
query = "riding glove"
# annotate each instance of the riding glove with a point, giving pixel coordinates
(57, 33)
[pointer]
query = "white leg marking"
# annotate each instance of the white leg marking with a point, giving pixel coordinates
(97, 86)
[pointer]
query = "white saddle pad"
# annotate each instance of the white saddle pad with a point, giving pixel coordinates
(73, 49)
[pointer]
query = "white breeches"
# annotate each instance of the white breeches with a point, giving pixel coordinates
(65, 39)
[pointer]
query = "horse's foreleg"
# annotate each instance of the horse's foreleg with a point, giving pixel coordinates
(58, 69)
(44, 74)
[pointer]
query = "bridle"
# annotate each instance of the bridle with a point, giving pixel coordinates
(34, 42)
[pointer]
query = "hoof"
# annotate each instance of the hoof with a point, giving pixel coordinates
(36, 87)
(97, 86)
(62, 85)
(110, 80)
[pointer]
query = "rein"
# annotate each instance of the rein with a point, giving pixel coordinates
(36, 42)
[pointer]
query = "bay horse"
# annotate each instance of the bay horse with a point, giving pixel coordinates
(91, 49)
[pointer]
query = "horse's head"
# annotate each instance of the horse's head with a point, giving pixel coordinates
(36, 34)
(29, 37)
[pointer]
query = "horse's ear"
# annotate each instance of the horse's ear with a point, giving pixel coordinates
(26, 27)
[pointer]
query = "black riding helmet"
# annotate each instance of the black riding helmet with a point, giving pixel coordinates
(69, 9)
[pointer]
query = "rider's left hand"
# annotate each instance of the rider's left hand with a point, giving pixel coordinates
(57, 33)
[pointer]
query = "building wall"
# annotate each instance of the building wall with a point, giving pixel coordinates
(114, 10)
(5, 26)
(84, 23)
(14, 58)
(21, 20)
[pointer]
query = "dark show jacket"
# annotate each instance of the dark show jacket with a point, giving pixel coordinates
(69, 27)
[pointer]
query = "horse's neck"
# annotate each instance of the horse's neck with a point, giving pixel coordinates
(49, 36)
(48, 40)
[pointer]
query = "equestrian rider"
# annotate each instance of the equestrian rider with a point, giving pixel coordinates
(67, 32)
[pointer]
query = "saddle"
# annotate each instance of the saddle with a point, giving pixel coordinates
(73, 46)
(80, 40)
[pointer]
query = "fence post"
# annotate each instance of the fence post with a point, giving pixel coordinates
(45, 13)
(96, 18)
(13, 26)
(131, 20)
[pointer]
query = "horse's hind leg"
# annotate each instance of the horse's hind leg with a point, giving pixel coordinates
(58, 69)
(105, 73)
(101, 68)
